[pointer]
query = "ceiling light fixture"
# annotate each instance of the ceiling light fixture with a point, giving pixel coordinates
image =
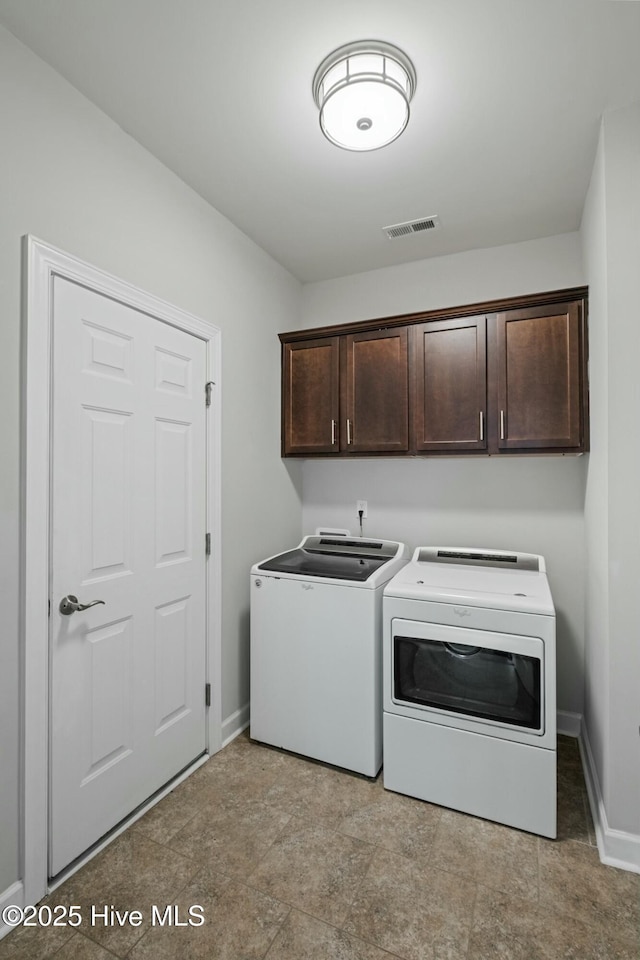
(363, 91)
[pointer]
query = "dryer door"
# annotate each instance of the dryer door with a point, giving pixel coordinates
(492, 678)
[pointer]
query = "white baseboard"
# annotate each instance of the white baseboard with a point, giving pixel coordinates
(616, 848)
(235, 724)
(13, 895)
(569, 724)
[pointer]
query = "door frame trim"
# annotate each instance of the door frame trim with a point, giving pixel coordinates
(41, 263)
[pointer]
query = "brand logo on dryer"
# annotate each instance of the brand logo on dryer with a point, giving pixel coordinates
(462, 611)
(307, 586)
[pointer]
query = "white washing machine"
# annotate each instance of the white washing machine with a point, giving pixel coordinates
(316, 658)
(469, 685)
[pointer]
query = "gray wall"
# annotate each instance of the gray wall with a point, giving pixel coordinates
(73, 178)
(533, 504)
(596, 510)
(611, 240)
(622, 164)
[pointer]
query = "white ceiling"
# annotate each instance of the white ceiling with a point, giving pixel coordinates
(500, 143)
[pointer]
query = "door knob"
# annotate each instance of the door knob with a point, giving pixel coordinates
(70, 604)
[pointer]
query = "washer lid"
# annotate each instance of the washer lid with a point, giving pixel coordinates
(482, 582)
(354, 560)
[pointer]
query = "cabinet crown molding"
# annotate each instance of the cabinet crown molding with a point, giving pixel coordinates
(442, 313)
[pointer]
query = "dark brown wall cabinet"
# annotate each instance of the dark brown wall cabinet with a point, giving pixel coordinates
(494, 378)
(310, 401)
(538, 381)
(375, 379)
(450, 385)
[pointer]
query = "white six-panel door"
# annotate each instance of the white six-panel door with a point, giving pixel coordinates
(127, 697)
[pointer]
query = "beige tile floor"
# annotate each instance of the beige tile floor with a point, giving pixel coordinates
(293, 860)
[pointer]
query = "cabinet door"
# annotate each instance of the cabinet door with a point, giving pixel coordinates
(311, 398)
(376, 389)
(538, 377)
(450, 384)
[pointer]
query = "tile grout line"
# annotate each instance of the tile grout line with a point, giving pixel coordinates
(539, 859)
(85, 937)
(327, 923)
(374, 849)
(472, 920)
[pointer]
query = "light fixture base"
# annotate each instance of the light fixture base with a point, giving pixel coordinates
(363, 46)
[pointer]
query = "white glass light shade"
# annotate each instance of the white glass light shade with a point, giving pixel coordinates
(363, 91)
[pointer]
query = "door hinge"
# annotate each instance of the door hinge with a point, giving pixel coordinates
(207, 694)
(207, 391)
(48, 608)
(207, 544)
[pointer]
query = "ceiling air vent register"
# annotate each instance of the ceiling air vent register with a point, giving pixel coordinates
(412, 226)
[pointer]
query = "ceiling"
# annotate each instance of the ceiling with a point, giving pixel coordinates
(500, 143)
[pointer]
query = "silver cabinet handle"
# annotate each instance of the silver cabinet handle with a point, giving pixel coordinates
(70, 604)
(481, 425)
(334, 425)
(502, 424)
(348, 431)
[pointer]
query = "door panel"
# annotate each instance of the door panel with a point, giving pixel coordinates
(109, 689)
(310, 392)
(128, 524)
(450, 377)
(539, 377)
(106, 353)
(377, 392)
(107, 492)
(173, 483)
(172, 626)
(173, 373)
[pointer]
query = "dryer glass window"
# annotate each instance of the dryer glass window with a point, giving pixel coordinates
(472, 681)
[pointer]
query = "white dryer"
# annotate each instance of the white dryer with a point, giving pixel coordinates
(469, 664)
(316, 658)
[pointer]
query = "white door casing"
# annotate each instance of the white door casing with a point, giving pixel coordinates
(128, 522)
(45, 268)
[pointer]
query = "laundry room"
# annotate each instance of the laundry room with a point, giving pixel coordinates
(177, 161)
